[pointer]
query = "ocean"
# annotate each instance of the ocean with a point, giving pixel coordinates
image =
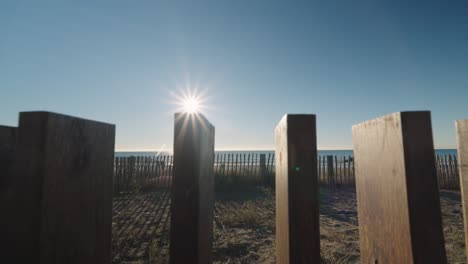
(320, 152)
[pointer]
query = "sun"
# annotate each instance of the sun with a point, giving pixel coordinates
(191, 100)
(191, 105)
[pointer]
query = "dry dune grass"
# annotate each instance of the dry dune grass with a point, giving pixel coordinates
(244, 226)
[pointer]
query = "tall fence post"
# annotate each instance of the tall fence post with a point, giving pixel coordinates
(396, 184)
(191, 234)
(462, 150)
(297, 204)
(62, 191)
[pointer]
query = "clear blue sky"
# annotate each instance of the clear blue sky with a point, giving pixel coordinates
(346, 61)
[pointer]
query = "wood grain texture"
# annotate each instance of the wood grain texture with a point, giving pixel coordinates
(7, 150)
(63, 190)
(461, 127)
(192, 201)
(7, 135)
(397, 192)
(297, 204)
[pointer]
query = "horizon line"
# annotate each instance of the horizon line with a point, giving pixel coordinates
(251, 149)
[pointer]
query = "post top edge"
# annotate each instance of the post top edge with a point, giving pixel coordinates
(400, 114)
(288, 117)
(198, 116)
(48, 113)
(7, 127)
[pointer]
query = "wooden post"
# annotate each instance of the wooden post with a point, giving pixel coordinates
(397, 192)
(62, 191)
(297, 204)
(461, 127)
(192, 190)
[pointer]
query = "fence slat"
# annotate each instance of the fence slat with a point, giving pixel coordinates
(267, 172)
(224, 168)
(330, 171)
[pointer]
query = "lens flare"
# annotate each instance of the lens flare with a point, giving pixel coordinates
(190, 99)
(191, 105)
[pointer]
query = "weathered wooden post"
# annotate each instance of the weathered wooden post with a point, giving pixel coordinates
(62, 183)
(297, 204)
(397, 192)
(461, 127)
(191, 234)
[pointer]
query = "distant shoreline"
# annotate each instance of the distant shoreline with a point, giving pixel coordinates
(344, 152)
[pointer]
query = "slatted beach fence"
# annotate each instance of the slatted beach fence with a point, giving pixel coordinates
(254, 168)
(134, 172)
(335, 170)
(447, 172)
(244, 168)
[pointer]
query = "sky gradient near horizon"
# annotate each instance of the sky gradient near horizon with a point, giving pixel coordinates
(123, 62)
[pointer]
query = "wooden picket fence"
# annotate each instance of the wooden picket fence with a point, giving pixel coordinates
(447, 172)
(245, 168)
(336, 170)
(131, 173)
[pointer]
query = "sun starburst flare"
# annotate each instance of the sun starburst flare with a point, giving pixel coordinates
(191, 105)
(190, 101)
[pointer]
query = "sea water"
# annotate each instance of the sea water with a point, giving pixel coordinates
(320, 152)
